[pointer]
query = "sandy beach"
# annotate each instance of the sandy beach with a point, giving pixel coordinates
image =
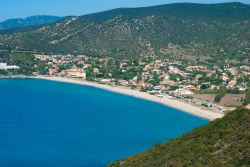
(174, 103)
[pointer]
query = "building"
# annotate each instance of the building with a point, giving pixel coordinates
(123, 82)
(190, 87)
(157, 89)
(4, 66)
(52, 71)
(147, 67)
(105, 81)
(76, 73)
(224, 77)
(182, 91)
(174, 70)
(196, 68)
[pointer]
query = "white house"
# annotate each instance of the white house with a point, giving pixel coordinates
(182, 91)
(4, 66)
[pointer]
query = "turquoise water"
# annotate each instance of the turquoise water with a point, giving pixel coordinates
(51, 124)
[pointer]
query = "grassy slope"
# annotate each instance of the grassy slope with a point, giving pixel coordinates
(224, 142)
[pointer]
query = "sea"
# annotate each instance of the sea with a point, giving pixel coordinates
(53, 124)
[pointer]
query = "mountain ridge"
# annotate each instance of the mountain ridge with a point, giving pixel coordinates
(158, 9)
(28, 21)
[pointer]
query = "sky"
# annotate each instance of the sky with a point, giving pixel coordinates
(22, 8)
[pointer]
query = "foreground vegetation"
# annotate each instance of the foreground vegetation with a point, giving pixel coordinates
(224, 142)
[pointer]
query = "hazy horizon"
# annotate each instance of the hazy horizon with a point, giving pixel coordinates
(20, 9)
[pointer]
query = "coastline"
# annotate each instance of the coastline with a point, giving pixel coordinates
(170, 102)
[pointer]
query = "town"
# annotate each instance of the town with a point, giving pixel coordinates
(210, 86)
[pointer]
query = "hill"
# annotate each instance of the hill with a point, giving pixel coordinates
(28, 21)
(224, 142)
(179, 30)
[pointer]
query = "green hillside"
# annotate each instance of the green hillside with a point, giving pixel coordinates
(223, 143)
(180, 30)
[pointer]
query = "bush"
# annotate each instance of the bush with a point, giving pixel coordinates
(203, 86)
(217, 98)
(235, 91)
(221, 93)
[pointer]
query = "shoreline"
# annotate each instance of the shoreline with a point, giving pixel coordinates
(170, 102)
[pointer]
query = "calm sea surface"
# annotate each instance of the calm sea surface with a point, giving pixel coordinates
(51, 124)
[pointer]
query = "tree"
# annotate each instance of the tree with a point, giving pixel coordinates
(221, 93)
(204, 86)
(247, 98)
(217, 98)
(173, 87)
(235, 91)
(156, 80)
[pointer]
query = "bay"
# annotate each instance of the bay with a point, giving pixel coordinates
(52, 124)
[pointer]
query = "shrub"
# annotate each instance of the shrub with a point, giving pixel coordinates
(217, 98)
